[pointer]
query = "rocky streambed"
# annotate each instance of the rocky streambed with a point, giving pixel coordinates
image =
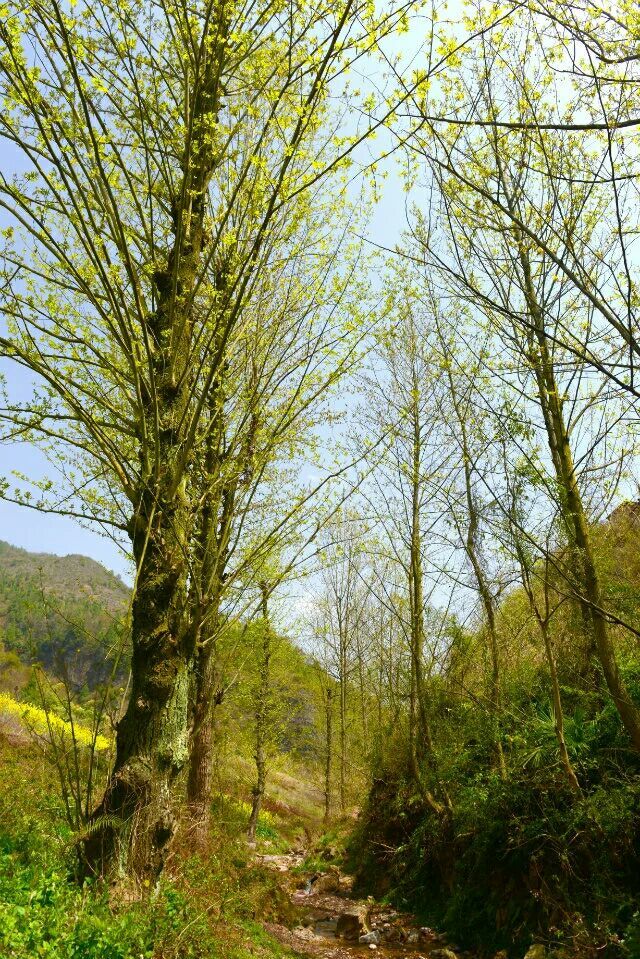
(333, 924)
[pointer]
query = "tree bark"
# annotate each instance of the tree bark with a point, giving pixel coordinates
(343, 718)
(418, 719)
(206, 697)
(132, 828)
(328, 761)
(543, 619)
(558, 714)
(486, 596)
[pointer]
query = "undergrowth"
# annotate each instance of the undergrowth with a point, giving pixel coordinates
(204, 908)
(518, 860)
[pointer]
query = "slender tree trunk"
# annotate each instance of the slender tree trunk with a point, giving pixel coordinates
(486, 596)
(418, 719)
(201, 748)
(558, 714)
(328, 758)
(543, 618)
(363, 702)
(573, 509)
(205, 691)
(343, 716)
(217, 513)
(261, 721)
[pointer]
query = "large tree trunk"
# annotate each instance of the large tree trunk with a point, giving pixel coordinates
(134, 824)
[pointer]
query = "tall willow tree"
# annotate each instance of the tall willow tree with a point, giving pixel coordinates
(135, 129)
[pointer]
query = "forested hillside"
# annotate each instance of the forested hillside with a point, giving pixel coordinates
(59, 610)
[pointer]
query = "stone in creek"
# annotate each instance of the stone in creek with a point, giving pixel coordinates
(537, 951)
(308, 935)
(325, 883)
(354, 923)
(370, 938)
(442, 954)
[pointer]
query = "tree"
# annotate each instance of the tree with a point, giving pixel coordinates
(473, 439)
(136, 133)
(400, 394)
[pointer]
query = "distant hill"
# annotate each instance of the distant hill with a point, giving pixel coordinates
(61, 611)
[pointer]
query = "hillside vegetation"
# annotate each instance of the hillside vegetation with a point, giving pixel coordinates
(205, 907)
(527, 851)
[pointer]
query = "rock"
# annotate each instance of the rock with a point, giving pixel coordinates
(307, 935)
(501, 955)
(345, 883)
(413, 936)
(353, 924)
(327, 882)
(392, 933)
(442, 954)
(372, 945)
(537, 951)
(370, 938)
(329, 853)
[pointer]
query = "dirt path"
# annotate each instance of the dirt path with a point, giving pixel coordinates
(332, 924)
